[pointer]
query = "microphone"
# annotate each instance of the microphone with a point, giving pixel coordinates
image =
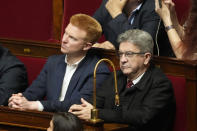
(94, 111)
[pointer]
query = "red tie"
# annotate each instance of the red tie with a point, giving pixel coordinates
(129, 83)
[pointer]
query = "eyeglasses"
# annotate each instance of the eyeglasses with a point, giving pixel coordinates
(129, 53)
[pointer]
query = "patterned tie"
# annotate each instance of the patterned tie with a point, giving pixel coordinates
(129, 83)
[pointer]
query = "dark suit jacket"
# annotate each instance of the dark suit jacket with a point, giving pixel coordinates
(147, 106)
(13, 76)
(47, 86)
(145, 19)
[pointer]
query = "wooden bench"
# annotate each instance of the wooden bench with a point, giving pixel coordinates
(16, 120)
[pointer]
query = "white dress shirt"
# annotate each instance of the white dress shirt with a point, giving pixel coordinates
(137, 79)
(70, 70)
(132, 14)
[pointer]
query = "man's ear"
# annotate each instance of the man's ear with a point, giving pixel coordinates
(147, 58)
(87, 46)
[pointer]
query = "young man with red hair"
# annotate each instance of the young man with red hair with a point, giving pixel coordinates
(67, 78)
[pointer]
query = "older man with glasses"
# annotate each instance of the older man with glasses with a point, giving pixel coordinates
(147, 100)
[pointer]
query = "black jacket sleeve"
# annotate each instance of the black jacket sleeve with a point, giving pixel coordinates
(13, 76)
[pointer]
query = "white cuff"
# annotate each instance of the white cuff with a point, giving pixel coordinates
(40, 106)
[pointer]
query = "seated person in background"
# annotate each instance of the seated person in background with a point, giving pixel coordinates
(67, 78)
(147, 100)
(183, 41)
(118, 16)
(65, 122)
(13, 75)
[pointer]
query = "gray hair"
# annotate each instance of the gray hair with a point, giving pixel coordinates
(139, 38)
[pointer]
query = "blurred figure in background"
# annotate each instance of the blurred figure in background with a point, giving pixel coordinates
(13, 75)
(182, 38)
(118, 16)
(65, 122)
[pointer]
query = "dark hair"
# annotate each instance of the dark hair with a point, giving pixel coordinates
(66, 121)
(191, 31)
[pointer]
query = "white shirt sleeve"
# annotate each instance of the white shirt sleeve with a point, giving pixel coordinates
(40, 106)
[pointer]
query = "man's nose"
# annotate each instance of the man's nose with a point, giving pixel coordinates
(123, 58)
(65, 38)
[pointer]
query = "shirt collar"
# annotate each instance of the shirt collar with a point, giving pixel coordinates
(136, 9)
(76, 63)
(137, 79)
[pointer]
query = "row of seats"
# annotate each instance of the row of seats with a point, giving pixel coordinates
(34, 66)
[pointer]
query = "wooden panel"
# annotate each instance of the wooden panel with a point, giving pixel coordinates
(32, 19)
(109, 54)
(57, 18)
(188, 69)
(16, 120)
(31, 48)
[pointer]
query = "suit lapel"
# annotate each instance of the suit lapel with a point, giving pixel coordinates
(75, 78)
(122, 79)
(140, 88)
(60, 76)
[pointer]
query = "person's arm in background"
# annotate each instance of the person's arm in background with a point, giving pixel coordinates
(104, 45)
(147, 19)
(114, 8)
(13, 80)
(28, 99)
(13, 76)
(109, 7)
(174, 18)
(175, 31)
(119, 22)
